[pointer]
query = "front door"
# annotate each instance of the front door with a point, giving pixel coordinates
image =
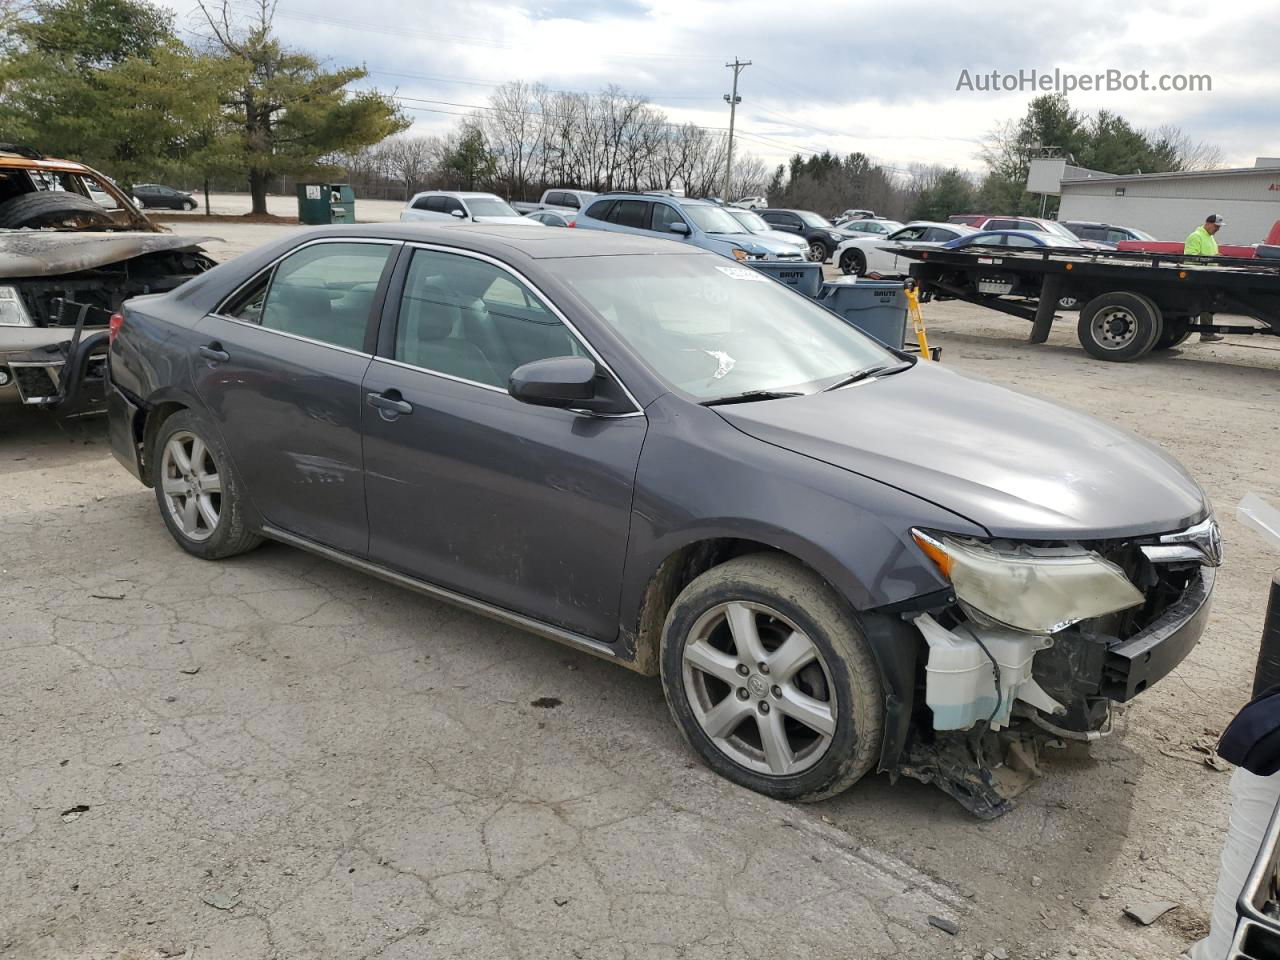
(527, 508)
(280, 369)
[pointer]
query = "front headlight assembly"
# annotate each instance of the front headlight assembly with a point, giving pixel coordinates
(1037, 590)
(13, 313)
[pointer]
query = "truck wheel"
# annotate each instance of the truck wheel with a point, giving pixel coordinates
(853, 263)
(52, 209)
(1119, 326)
(770, 679)
(1176, 331)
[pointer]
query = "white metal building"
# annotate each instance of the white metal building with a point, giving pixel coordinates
(1170, 205)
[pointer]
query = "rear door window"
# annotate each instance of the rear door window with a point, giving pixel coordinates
(600, 209)
(435, 204)
(325, 292)
(630, 213)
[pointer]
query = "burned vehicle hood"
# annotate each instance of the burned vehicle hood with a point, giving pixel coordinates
(1021, 467)
(50, 253)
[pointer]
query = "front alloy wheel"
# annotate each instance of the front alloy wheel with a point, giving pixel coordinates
(818, 251)
(770, 679)
(759, 688)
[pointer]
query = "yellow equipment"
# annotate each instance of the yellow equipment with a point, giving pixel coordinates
(917, 318)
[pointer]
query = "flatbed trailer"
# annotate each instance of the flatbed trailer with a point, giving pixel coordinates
(1129, 303)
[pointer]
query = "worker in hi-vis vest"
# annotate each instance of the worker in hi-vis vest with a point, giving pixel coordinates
(1202, 244)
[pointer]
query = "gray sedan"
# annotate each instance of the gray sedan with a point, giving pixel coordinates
(839, 558)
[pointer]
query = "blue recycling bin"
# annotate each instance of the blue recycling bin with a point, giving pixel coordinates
(876, 307)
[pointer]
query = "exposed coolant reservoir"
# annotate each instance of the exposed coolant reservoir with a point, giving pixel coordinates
(960, 683)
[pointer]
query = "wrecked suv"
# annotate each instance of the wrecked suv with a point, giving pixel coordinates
(840, 558)
(73, 247)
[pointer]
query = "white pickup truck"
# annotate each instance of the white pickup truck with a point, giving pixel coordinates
(558, 199)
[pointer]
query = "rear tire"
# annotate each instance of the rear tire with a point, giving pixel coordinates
(198, 491)
(1176, 331)
(853, 263)
(805, 725)
(1119, 326)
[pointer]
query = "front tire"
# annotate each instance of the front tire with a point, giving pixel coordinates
(770, 680)
(189, 205)
(198, 492)
(818, 252)
(1119, 326)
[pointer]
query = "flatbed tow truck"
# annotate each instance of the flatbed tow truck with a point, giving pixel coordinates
(1131, 303)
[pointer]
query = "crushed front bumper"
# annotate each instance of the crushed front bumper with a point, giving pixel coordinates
(56, 368)
(1135, 664)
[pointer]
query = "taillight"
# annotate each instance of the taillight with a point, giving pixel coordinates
(572, 223)
(113, 326)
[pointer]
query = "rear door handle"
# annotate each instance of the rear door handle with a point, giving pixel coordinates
(214, 352)
(389, 403)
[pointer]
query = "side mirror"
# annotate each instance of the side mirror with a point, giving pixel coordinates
(680, 228)
(554, 382)
(458, 213)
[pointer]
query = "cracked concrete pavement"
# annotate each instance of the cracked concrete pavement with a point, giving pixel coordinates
(354, 771)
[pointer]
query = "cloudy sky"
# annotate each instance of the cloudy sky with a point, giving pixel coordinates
(878, 76)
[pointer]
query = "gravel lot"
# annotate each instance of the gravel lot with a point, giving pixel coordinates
(275, 757)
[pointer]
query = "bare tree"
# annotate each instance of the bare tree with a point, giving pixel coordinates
(407, 159)
(1188, 154)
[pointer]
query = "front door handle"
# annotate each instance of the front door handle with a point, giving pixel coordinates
(213, 351)
(388, 403)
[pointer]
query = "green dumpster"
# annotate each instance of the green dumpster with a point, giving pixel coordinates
(320, 203)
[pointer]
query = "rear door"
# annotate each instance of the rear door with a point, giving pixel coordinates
(527, 508)
(280, 368)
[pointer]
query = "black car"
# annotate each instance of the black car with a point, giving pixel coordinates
(158, 195)
(673, 462)
(818, 232)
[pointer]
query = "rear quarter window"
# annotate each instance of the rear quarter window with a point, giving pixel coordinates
(600, 209)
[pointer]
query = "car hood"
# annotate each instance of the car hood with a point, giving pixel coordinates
(48, 253)
(524, 220)
(786, 240)
(1022, 467)
(759, 241)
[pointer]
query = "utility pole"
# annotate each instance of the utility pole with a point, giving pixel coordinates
(733, 100)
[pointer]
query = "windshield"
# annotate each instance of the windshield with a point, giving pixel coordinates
(813, 220)
(713, 329)
(490, 207)
(752, 221)
(710, 219)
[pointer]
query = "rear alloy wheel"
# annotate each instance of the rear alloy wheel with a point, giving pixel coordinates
(197, 490)
(1119, 326)
(818, 252)
(853, 263)
(770, 680)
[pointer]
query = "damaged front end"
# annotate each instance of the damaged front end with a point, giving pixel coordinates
(1038, 642)
(57, 293)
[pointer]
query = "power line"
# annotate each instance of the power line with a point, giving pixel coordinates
(491, 84)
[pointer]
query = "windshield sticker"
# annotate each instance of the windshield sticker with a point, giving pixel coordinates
(743, 273)
(723, 360)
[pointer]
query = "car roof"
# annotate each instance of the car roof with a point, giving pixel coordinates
(1030, 234)
(939, 223)
(532, 241)
(460, 194)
